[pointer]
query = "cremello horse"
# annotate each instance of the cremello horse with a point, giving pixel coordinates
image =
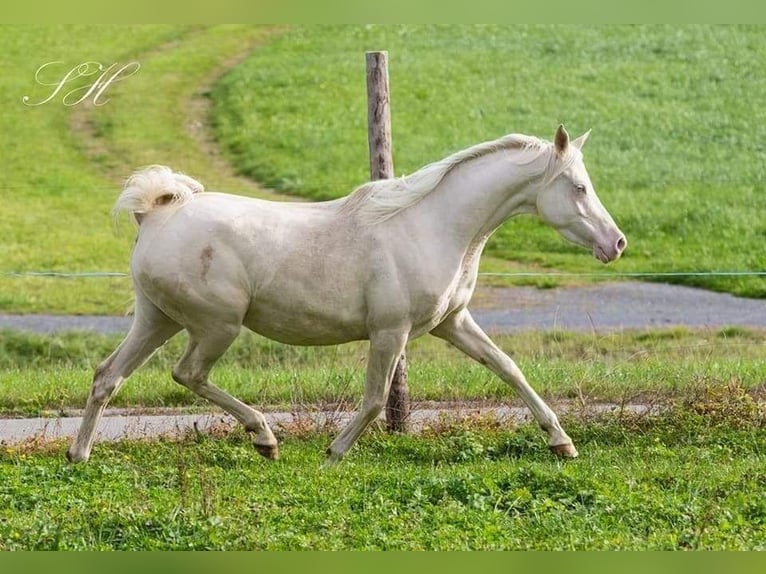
(392, 261)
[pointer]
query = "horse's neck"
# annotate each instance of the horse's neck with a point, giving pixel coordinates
(475, 198)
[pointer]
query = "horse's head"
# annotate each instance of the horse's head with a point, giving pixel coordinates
(569, 203)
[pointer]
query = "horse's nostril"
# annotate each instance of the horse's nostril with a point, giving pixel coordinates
(621, 244)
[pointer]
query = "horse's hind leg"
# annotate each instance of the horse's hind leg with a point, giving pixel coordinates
(150, 329)
(463, 332)
(192, 372)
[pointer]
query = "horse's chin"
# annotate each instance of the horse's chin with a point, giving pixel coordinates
(600, 254)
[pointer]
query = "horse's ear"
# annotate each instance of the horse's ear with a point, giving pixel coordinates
(579, 142)
(561, 140)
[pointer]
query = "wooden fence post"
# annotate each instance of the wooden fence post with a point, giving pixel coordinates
(382, 167)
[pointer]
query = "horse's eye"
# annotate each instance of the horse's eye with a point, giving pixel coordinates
(579, 187)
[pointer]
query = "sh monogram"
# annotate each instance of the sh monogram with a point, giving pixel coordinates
(96, 90)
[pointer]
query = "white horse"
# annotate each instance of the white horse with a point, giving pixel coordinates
(390, 262)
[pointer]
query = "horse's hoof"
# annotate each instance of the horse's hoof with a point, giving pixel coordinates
(564, 450)
(74, 458)
(270, 451)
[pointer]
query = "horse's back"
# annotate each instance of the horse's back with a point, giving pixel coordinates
(283, 269)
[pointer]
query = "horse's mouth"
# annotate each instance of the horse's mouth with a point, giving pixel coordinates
(600, 254)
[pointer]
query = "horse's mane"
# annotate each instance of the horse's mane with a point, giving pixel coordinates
(379, 200)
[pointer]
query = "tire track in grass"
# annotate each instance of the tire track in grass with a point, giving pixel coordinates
(178, 103)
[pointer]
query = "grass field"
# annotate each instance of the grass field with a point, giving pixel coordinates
(677, 154)
(690, 479)
(64, 165)
(53, 373)
(677, 151)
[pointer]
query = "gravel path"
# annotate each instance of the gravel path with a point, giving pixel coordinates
(120, 425)
(615, 306)
(607, 306)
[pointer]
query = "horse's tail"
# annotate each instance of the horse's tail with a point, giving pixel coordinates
(154, 187)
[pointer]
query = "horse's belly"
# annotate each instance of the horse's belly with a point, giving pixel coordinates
(296, 324)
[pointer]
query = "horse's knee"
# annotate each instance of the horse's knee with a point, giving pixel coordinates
(102, 393)
(103, 384)
(100, 370)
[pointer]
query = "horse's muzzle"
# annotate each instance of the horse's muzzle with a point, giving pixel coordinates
(608, 254)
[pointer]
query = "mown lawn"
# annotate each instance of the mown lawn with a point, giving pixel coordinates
(692, 478)
(678, 115)
(677, 151)
(40, 374)
(63, 166)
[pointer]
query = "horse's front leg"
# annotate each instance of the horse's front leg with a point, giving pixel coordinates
(385, 349)
(462, 331)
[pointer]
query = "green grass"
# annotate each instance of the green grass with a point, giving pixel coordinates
(690, 477)
(56, 206)
(63, 167)
(39, 374)
(677, 151)
(684, 480)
